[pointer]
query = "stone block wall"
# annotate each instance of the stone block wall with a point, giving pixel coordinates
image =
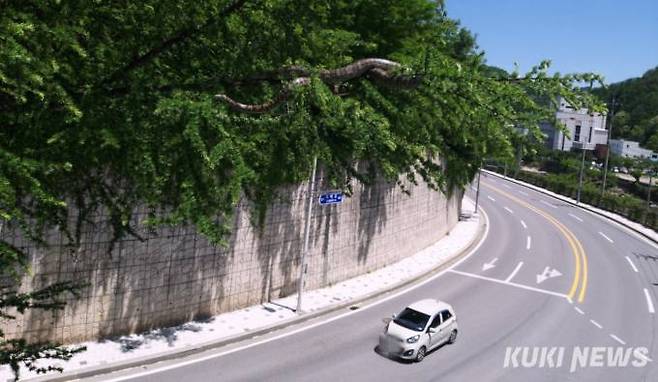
(175, 275)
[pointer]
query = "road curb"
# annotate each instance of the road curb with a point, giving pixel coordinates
(167, 356)
(563, 198)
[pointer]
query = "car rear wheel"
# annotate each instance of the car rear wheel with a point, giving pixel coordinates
(421, 354)
(453, 337)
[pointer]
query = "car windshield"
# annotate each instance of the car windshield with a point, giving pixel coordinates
(412, 319)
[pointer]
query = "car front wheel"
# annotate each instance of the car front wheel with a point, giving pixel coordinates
(453, 337)
(421, 354)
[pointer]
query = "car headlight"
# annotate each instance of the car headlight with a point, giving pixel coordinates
(413, 339)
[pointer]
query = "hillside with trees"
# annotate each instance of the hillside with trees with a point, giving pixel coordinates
(636, 116)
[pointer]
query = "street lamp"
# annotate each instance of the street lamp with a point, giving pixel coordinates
(652, 172)
(611, 114)
(584, 147)
(477, 193)
(307, 230)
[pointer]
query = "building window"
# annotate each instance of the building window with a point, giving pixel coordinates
(589, 139)
(576, 135)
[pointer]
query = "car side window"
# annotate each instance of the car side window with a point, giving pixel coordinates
(446, 315)
(436, 321)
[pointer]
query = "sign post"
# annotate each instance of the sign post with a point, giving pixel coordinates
(307, 230)
(585, 147)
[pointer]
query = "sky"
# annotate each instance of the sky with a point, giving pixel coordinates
(617, 39)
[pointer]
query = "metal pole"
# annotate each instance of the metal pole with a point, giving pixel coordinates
(607, 151)
(519, 154)
(477, 193)
(649, 193)
(307, 230)
(580, 180)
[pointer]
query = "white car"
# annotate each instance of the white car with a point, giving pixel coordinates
(419, 328)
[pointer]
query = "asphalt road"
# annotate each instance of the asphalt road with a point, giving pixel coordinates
(570, 297)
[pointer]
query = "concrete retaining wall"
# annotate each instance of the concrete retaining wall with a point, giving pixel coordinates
(176, 275)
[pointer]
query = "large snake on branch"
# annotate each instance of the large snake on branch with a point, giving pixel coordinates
(376, 69)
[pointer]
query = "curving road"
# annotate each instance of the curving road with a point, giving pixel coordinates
(553, 293)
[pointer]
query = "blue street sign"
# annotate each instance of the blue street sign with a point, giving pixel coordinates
(331, 198)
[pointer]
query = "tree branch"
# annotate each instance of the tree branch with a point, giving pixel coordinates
(376, 69)
(180, 36)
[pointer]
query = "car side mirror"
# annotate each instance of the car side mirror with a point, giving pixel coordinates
(431, 330)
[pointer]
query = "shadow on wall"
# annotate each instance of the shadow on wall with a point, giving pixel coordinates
(282, 235)
(176, 275)
(372, 216)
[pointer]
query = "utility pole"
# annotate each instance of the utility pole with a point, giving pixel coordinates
(649, 191)
(477, 193)
(307, 230)
(580, 178)
(613, 105)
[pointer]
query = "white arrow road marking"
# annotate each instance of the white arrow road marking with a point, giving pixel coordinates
(579, 310)
(489, 265)
(607, 238)
(631, 263)
(514, 272)
(509, 210)
(548, 204)
(576, 217)
(490, 198)
(649, 301)
(524, 225)
(528, 242)
(548, 273)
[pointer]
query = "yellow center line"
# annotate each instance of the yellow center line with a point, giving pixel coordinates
(581, 295)
(576, 248)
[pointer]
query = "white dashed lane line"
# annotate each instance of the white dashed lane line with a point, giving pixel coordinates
(509, 210)
(606, 237)
(490, 198)
(617, 339)
(614, 337)
(506, 185)
(524, 225)
(528, 242)
(576, 217)
(649, 301)
(631, 263)
(548, 204)
(523, 193)
(514, 272)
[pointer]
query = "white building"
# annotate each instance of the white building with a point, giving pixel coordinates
(631, 149)
(582, 126)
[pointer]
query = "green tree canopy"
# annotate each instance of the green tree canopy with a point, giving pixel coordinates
(112, 105)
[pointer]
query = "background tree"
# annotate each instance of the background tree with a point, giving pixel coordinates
(638, 116)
